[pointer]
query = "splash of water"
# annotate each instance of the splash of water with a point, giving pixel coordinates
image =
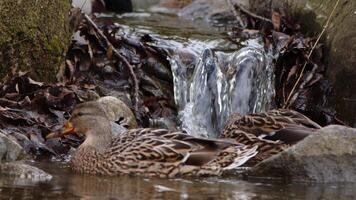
(222, 83)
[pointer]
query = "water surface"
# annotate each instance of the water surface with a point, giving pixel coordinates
(66, 185)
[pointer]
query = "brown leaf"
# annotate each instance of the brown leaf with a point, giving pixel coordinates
(109, 52)
(276, 20)
(292, 72)
(33, 82)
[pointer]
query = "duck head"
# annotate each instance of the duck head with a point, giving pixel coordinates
(91, 120)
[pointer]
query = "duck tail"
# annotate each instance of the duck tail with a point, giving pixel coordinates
(242, 156)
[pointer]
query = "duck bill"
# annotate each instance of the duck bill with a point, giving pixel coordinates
(67, 130)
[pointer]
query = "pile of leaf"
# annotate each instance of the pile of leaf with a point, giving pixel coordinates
(104, 64)
(30, 110)
(129, 68)
(300, 75)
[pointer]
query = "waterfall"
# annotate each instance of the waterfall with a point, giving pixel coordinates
(213, 78)
(220, 84)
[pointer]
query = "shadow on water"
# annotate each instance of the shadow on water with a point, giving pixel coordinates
(66, 185)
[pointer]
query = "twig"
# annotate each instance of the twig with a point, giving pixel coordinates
(349, 99)
(236, 15)
(249, 12)
(121, 57)
(307, 79)
(340, 121)
(288, 102)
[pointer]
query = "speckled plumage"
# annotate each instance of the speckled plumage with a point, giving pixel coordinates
(271, 131)
(161, 153)
(149, 152)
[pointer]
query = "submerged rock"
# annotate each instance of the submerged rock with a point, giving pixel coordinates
(10, 150)
(326, 156)
(24, 171)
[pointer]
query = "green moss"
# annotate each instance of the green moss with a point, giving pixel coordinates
(33, 36)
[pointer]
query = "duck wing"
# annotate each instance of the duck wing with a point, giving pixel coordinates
(293, 117)
(162, 145)
(266, 147)
(172, 153)
(284, 125)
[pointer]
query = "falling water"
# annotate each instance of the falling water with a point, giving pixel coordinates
(212, 76)
(220, 84)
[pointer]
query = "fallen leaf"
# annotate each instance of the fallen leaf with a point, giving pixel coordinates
(276, 20)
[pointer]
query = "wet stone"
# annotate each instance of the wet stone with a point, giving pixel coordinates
(10, 150)
(24, 171)
(326, 156)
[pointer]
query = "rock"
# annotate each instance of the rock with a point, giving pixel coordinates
(34, 35)
(24, 171)
(10, 150)
(329, 155)
(339, 39)
(118, 111)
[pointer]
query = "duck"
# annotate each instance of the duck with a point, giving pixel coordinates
(146, 151)
(273, 131)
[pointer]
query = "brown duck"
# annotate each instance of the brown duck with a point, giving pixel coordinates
(271, 131)
(147, 152)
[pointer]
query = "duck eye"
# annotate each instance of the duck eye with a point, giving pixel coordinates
(120, 120)
(79, 114)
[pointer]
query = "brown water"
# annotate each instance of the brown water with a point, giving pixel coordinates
(66, 185)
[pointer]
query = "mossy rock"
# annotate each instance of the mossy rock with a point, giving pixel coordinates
(34, 36)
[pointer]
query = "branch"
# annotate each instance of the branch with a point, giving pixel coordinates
(288, 101)
(121, 57)
(236, 15)
(246, 11)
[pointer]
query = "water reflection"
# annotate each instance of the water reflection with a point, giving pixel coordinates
(67, 185)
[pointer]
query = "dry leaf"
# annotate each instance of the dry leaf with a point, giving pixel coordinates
(109, 52)
(292, 72)
(276, 20)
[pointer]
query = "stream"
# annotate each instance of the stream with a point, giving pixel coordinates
(67, 185)
(213, 77)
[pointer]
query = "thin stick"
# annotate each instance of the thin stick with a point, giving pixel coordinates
(233, 10)
(287, 104)
(250, 13)
(121, 57)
